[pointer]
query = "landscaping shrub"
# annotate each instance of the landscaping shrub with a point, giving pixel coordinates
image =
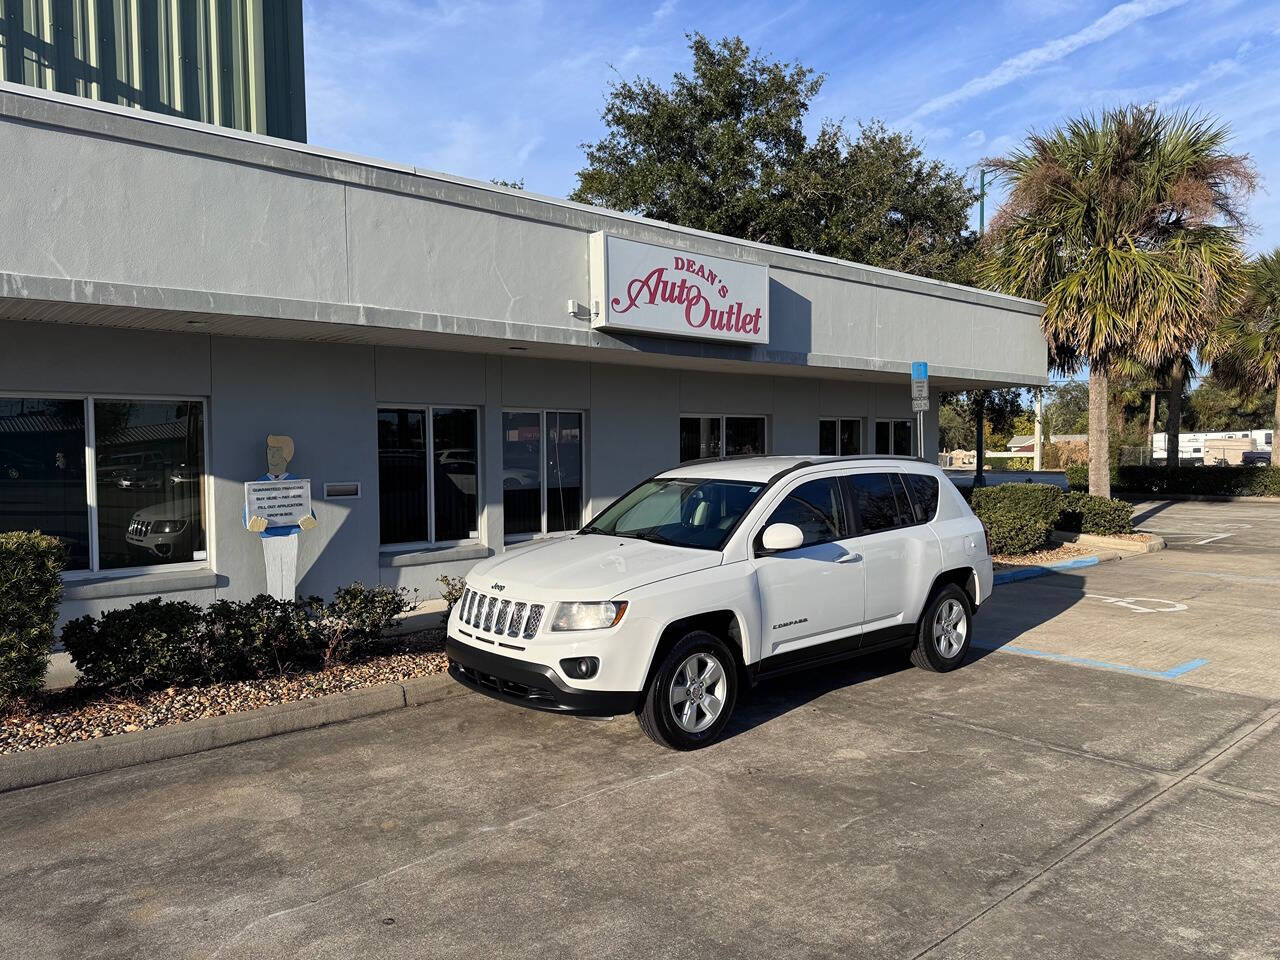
(255, 638)
(1202, 481)
(1012, 532)
(1018, 516)
(31, 567)
(1078, 477)
(1082, 513)
(159, 643)
(355, 620)
(1042, 501)
(451, 591)
(149, 644)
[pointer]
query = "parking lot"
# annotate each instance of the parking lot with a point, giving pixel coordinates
(1101, 780)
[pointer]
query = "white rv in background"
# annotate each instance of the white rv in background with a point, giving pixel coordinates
(1215, 447)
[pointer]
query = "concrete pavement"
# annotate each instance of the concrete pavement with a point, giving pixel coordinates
(1023, 806)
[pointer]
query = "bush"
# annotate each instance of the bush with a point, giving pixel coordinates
(1082, 513)
(1018, 516)
(31, 567)
(254, 638)
(1039, 500)
(150, 644)
(160, 643)
(1078, 477)
(1011, 532)
(356, 619)
(451, 591)
(1201, 481)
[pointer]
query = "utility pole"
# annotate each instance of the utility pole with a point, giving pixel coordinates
(982, 201)
(1038, 462)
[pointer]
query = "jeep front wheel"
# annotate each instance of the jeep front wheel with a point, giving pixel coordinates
(692, 693)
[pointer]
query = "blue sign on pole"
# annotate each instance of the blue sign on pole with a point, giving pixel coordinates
(919, 370)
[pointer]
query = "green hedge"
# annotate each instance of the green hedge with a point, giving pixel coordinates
(1202, 481)
(31, 565)
(1078, 477)
(1042, 500)
(1020, 516)
(159, 643)
(1011, 533)
(1082, 513)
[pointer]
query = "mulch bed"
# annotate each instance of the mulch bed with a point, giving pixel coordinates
(83, 713)
(1065, 551)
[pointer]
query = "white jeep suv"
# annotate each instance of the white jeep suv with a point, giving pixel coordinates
(709, 577)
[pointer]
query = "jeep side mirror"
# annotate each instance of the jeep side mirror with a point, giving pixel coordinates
(782, 536)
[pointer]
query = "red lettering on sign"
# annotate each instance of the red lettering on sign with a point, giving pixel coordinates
(657, 287)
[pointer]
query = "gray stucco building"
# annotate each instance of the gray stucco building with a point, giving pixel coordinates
(449, 357)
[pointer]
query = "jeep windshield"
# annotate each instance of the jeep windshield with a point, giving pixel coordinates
(681, 512)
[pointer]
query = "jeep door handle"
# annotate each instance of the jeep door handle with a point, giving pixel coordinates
(850, 558)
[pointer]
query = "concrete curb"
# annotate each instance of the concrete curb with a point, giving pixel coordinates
(1193, 498)
(1104, 549)
(50, 764)
(1097, 542)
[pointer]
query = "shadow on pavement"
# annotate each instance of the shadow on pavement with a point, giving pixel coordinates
(1013, 610)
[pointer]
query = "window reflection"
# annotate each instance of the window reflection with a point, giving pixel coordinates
(454, 436)
(149, 464)
(564, 471)
(42, 482)
(402, 476)
(522, 472)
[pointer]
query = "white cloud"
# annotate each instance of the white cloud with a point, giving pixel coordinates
(975, 139)
(663, 10)
(1030, 61)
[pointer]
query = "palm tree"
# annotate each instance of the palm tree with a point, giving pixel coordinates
(1127, 225)
(1245, 349)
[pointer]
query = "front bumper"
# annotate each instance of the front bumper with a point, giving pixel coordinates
(530, 684)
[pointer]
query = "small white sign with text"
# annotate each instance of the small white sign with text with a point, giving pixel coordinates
(282, 503)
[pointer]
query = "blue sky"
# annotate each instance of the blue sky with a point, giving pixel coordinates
(511, 89)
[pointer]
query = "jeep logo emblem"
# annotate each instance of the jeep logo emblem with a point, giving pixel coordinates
(499, 587)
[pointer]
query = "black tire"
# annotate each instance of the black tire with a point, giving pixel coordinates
(657, 712)
(935, 647)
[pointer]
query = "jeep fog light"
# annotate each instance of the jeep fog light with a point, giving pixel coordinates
(588, 616)
(580, 668)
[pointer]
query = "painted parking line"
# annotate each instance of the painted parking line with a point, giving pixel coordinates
(1171, 674)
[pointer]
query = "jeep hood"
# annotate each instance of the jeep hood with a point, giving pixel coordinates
(587, 567)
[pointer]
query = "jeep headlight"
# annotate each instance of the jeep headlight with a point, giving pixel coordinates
(588, 616)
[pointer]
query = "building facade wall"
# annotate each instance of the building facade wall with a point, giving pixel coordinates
(326, 397)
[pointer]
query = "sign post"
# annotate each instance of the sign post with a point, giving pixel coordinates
(920, 400)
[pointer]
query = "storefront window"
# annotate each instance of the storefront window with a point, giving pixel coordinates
(700, 437)
(42, 482)
(840, 437)
(564, 471)
(454, 435)
(149, 468)
(895, 437)
(148, 486)
(418, 504)
(541, 471)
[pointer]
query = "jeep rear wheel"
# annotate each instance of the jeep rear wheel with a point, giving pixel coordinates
(691, 694)
(944, 631)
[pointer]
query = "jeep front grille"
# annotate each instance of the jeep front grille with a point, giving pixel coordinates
(502, 617)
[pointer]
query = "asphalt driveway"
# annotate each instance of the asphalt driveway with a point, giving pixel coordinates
(1067, 794)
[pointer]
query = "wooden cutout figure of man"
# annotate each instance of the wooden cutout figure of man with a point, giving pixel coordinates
(280, 544)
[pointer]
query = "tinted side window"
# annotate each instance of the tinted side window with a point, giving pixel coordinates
(876, 501)
(816, 508)
(924, 495)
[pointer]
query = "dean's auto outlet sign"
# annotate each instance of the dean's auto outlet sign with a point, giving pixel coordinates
(645, 288)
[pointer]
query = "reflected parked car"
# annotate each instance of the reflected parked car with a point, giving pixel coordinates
(164, 530)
